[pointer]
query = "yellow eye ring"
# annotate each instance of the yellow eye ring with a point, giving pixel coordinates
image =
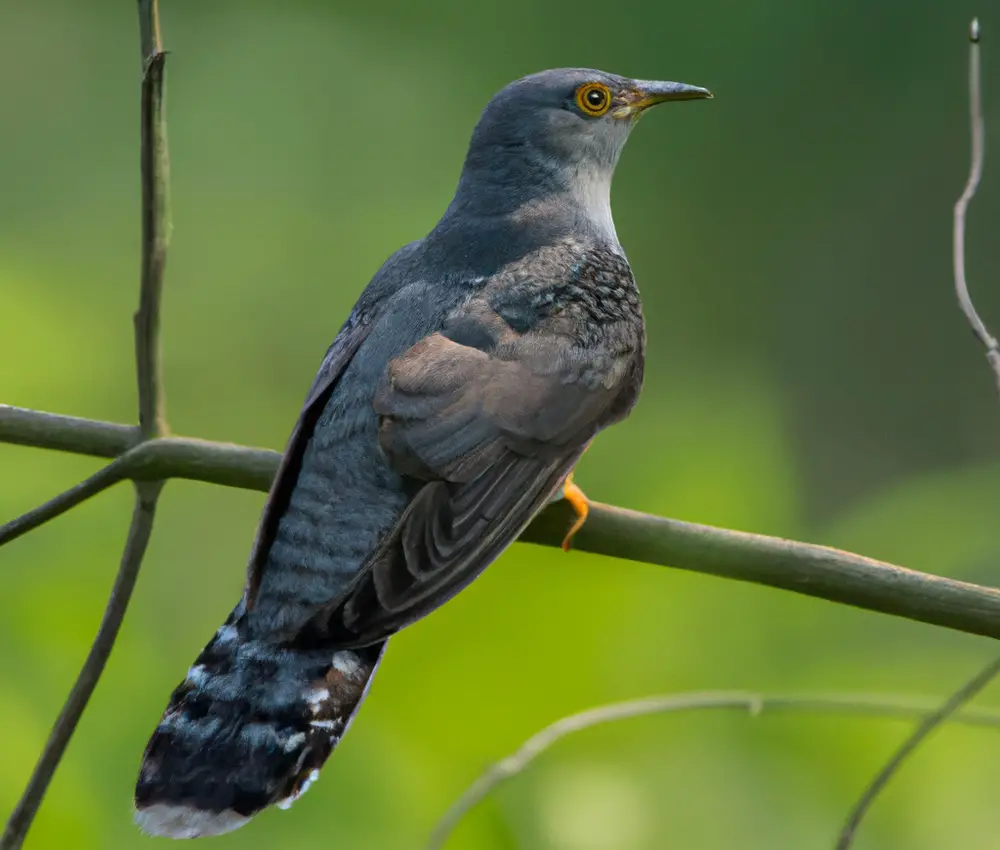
(593, 99)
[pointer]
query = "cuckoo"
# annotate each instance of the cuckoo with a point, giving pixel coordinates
(474, 370)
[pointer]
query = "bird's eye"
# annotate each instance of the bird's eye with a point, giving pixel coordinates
(593, 99)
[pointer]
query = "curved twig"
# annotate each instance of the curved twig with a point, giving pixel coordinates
(961, 205)
(980, 680)
(927, 725)
(755, 704)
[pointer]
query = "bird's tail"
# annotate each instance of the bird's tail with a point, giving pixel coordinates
(249, 727)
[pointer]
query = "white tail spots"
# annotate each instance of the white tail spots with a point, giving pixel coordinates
(347, 664)
(294, 742)
(309, 780)
(323, 724)
(197, 675)
(315, 698)
(226, 634)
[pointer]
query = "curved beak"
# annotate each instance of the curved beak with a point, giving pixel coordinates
(648, 93)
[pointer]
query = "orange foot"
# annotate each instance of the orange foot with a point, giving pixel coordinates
(581, 507)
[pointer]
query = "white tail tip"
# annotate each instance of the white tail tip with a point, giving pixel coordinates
(185, 822)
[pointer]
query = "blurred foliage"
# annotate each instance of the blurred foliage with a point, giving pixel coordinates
(809, 376)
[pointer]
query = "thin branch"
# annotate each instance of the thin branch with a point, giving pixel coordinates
(150, 41)
(982, 678)
(155, 225)
(961, 205)
(97, 483)
(24, 427)
(805, 568)
(755, 704)
(931, 722)
(65, 725)
(152, 424)
(156, 460)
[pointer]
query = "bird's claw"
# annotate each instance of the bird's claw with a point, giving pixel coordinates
(581, 507)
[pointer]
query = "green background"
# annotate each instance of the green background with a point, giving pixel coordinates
(809, 375)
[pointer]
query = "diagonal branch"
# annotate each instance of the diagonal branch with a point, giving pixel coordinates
(156, 460)
(65, 725)
(68, 499)
(930, 723)
(755, 704)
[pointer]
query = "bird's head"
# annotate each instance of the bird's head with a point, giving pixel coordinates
(557, 131)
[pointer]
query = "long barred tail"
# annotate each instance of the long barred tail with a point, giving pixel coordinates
(249, 727)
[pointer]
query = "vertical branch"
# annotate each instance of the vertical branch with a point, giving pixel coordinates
(961, 205)
(984, 676)
(149, 30)
(152, 421)
(155, 224)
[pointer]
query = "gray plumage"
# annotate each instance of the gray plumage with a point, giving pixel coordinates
(471, 375)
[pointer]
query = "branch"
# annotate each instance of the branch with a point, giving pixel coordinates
(39, 430)
(983, 677)
(961, 205)
(152, 424)
(98, 482)
(805, 568)
(154, 170)
(755, 704)
(931, 722)
(157, 460)
(65, 725)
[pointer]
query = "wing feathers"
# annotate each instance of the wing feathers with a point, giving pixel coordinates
(448, 535)
(492, 435)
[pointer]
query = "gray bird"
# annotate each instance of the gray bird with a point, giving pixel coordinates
(469, 378)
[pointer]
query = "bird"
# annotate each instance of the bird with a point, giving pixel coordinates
(452, 406)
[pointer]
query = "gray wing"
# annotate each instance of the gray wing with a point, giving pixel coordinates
(492, 421)
(338, 355)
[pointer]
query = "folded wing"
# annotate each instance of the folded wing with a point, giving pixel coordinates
(489, 422)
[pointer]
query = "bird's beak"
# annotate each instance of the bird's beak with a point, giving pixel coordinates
(648, 93)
